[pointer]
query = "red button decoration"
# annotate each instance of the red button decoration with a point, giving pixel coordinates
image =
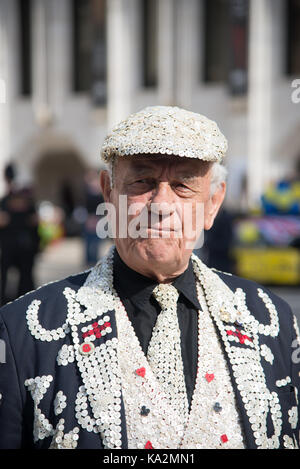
(240, 336)
(96, 331)
(141, 371)
(209, 377)
(148, 445)
(86, 348)
(224, 438)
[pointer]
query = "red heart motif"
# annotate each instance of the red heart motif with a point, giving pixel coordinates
(209, 377)
(148, 445)
(141, 372)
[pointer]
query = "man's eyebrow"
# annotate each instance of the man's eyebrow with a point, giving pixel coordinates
(139, 167)
(187, 175)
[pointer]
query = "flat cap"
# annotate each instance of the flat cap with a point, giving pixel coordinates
(166, 130)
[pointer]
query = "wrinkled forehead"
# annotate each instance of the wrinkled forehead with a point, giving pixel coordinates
(156, 162)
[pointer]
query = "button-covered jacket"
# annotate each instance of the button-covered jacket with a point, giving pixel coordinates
(57, 393)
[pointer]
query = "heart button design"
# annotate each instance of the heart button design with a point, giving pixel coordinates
(141, 372)
(148, 445)
(209, 377)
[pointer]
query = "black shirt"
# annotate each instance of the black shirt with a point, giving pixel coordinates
(135, 292)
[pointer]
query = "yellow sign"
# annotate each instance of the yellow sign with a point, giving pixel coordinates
(269, 265)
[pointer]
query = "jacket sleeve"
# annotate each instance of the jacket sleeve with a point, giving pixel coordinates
(295, 375)
(11, 399)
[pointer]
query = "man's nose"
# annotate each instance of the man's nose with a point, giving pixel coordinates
(162, 193)
(162, 199)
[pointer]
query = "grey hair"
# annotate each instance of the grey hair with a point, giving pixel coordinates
(110, 169)
(218, 174)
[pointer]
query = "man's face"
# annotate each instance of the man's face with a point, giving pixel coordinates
(168, 204)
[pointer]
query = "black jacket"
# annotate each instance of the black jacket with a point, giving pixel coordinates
(42, 357)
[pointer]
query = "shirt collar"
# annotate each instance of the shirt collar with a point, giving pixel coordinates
(139, 288)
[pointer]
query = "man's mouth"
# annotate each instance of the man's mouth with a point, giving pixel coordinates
(158, 230)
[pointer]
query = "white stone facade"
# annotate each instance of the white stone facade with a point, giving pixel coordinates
(262, 127)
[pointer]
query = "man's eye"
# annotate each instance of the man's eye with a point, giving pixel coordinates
(181, 186)
(140, 182)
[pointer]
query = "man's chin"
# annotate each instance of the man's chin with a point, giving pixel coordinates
(156, 258)
(158, 250)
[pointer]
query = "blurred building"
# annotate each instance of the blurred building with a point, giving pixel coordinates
(70, 69)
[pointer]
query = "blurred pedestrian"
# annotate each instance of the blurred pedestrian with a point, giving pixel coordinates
(93, 198)
(219, 241)
(19, 241)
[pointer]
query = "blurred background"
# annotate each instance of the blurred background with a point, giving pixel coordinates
(71, 69)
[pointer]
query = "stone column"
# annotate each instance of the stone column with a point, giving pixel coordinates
(166, 52)
(5, 92)
(40, 91)
(187, 50)
(59, 60)
(259, 98)
(120, 55)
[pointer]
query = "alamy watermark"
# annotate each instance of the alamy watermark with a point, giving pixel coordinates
(2, 351)
(159, 220)
(296, 352)
(296, 93)
(2, 91)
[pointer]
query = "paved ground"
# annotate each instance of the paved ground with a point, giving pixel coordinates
(66, 258)
(61, 259)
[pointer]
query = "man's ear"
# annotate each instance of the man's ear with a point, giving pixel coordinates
(105, 185)
(214, 205)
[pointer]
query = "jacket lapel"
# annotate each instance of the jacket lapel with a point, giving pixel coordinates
(91, 317)
(238, 331)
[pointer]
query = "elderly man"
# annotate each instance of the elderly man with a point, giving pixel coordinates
(150, 348)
